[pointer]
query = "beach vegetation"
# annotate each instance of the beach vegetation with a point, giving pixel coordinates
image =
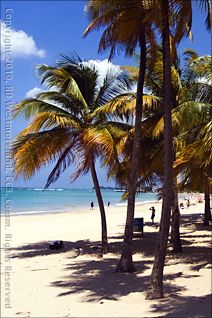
(69, 124)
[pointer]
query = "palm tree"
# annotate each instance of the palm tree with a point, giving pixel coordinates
(195, 164)
(127, 24)
(194, 116)
(154, 82)
(155, 288)
(66, 125)
(183, 10)
(194, 159)
(125, 29)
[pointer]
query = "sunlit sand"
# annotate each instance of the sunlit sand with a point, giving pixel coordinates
(78, 282)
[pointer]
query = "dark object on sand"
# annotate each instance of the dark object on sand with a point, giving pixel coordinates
(56, 245)
(138, 225)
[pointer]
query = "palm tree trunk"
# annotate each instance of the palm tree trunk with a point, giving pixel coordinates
(105, 248)
(126, 262)
(155, 288)
(175, 231)
(207, 215)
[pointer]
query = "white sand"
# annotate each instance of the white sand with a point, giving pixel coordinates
(76, 282)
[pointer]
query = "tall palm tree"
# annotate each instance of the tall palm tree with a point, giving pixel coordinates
(66, 125)
(104, 14)
(125, 29)
(155, 288)
(194, 158)
(154, 83)
(183, 10)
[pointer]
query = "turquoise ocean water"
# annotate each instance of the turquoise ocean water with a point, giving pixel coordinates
(17, 201)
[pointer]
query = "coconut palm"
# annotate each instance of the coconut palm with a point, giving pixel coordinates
(154, 83)
(195, 164)
(195, 120)
(66, 125)
(126, 28)
(194, 158)
(111, 14)
(183, 10)
(128, 24)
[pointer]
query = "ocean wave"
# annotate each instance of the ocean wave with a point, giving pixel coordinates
(138, 203)
(35, 212)
(47, 211)
(121, 204)
(147, 201)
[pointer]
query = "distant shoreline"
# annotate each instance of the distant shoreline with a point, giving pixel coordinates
(31, 201)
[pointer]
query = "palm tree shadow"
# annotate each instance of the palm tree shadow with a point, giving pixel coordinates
(101, 282)
(198, 255)
(72, 249)
(184, 306)
(97, 275)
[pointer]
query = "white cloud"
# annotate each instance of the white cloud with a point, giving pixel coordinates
(134, 88)
(102, 67)
(19, 43)
(32, 92)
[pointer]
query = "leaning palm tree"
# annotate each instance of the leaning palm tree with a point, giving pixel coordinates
(66, 125)
(127, 26)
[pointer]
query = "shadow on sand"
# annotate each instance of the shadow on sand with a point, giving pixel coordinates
(96, 275)
(179, 307)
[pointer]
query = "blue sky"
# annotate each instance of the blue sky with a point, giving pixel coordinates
(41, 30)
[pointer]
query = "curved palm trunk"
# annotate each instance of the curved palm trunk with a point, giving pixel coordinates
(207, 215)
(105, 248)
(155, 289)
(175, 231)
(126, 263)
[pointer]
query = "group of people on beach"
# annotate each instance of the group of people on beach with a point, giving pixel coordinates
(92, 205)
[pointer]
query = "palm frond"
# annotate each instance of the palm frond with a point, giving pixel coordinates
(32, 151)
(64, 161)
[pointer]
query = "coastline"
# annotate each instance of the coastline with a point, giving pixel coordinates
(78, 282)
(19, 201)
(29, 201)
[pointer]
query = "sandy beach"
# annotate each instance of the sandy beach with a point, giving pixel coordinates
(78, 281)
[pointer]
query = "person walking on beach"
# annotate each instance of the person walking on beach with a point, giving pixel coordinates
(92, 205)
(108, 204)
(153, 214)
